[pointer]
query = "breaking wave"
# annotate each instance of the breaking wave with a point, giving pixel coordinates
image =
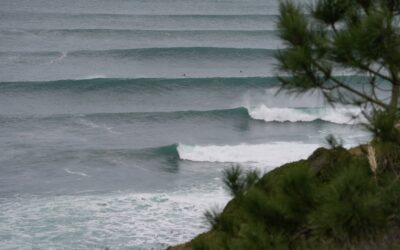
(271, 154)
(341, 115)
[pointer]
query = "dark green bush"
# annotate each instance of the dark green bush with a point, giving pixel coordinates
(239, 181)
(330, 201)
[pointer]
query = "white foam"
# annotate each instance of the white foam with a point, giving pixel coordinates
(93, 125)
(272, 154)
(91, 77)
(75, 172)
(340, 115)
(63, 55)
(117, 220)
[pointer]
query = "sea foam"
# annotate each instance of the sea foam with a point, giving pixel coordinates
(340, 115)
(118, 220)
(271, 154)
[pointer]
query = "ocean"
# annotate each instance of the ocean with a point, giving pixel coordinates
(118, 117)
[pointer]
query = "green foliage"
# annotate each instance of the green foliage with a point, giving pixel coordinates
(329, 163)
(238, 181)
(361, 36)
(331, 11)
(293, 25)
(388, 158)
(383, 126)
(213, 217)
(233, 180)
(330, 201)
(201, 245)
(346, 205)
(257, 237)
(334, 142)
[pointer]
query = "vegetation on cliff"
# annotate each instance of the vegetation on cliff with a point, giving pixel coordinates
(335, 200)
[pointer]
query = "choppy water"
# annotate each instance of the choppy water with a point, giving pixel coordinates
(117, 117)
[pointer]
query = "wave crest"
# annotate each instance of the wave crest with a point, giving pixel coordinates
(272, 154)
(342, 115)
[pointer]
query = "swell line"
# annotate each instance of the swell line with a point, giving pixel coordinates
(133, 31)
(139, 83)
(341, 115)
(116, 15)
(152, 52)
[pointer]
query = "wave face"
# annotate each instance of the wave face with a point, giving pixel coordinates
(129, 95)
(108, 39)
(240, 114)
(147, 53)
(24, 20)
(141, 84)
(342, 115)
(194, 62)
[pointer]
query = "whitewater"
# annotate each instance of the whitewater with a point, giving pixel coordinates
(117, 118)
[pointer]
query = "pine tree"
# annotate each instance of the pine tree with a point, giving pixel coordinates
(325, 38)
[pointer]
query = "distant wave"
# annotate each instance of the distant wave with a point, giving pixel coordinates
(105, 121)
(236, 113)
(95, 32)
(341, 115)
(138, 84)
(150, 15)
(100, 82)
(148, 53)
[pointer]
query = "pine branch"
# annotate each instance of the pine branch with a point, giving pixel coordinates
(348, 88)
